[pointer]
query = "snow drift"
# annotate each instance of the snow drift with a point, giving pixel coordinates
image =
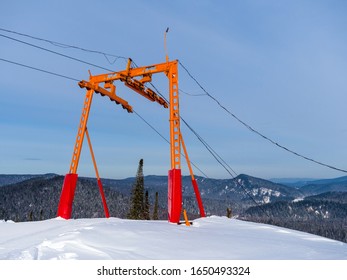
(208, 238)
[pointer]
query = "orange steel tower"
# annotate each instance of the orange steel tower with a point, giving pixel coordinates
(134, 78)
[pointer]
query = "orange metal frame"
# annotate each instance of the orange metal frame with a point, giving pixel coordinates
(103, 84)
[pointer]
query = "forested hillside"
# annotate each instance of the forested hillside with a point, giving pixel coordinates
(37, 199)
(249, 198)
(324, 214)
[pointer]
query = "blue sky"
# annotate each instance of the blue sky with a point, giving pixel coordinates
(280, 66)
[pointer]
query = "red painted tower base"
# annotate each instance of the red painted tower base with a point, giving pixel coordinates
(198, 198)
(67, 196)
(174, 195)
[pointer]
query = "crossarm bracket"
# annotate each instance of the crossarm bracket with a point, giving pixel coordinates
(111, 94)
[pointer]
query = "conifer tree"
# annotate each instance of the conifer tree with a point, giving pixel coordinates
(146, 210)
(155, 211)
(229, 213)
(137, 202)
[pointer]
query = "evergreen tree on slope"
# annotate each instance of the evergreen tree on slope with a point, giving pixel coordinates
(137, 196)
(147, 206)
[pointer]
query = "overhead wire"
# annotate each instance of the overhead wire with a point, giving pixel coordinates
(57, 53)
(167, 141)
(224, 164)
(191, 94)
(256, 131)
(38, 69)
(63, 45)
(151, 126)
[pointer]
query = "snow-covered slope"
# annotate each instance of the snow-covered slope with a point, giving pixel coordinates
(208, 238)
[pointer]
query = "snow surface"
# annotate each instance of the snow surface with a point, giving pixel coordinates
(209, 238)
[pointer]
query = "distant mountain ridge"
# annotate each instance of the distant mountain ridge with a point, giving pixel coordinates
(307, 185)
(327, 185)
(217, 194)
(312, 208)
(9, 179)
(292, 182)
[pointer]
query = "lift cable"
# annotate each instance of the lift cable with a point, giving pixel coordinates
(226, 166)
(166, 140)
(62, 45)
(191, 94)
(54, 52)
(256, 131)
(38, 69)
